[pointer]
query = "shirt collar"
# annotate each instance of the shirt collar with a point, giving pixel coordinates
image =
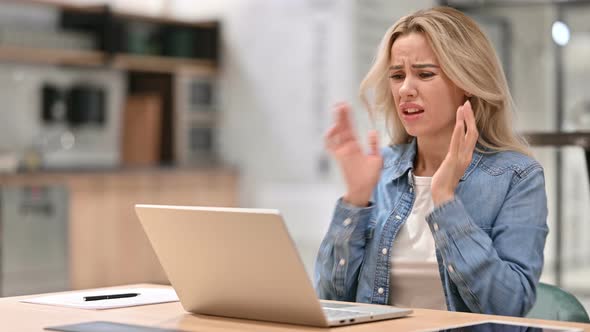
(399, 166)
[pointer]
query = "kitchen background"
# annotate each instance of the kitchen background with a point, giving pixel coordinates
(106, 103)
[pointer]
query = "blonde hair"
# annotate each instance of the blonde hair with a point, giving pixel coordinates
(468, 59)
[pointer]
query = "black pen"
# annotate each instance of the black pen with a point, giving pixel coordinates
(110, 296)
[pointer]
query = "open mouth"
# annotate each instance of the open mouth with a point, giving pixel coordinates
(412, 111)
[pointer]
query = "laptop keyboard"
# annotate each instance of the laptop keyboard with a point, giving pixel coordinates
(326, 304)
(332, 313)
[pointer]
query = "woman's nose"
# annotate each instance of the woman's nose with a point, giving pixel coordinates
(407, 89)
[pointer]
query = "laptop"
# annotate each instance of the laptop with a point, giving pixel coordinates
(242, 263)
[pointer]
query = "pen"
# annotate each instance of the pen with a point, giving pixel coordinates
(110, 296)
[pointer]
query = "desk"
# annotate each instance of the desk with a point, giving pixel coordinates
(17, 316)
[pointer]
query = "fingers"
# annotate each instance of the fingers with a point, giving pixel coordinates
(342, 130)
(332, 138)
(342, 116)
(342, 133)
(458, 133)
(330, 135)
(337, 137)
(373, 143)
(472, 134)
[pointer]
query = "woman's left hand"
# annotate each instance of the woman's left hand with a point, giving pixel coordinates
(446, 178)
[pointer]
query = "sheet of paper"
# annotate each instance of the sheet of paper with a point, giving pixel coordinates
(76, 299)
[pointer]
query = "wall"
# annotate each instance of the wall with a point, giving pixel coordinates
(284, 66)
(576, 210)
(533, 86)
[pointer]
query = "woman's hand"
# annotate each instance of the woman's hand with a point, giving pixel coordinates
(361, 170)
(446, 178)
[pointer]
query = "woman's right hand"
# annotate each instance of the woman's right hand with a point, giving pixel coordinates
(361, 170)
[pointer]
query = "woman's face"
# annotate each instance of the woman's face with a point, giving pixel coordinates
(425, 98)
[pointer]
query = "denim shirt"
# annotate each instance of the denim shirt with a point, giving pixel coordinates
(489, 239)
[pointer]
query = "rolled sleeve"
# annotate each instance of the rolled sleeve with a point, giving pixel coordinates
(341, 252)
(496, 273)
(450, 221)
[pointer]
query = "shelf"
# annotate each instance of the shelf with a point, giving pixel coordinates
(581, 139)
(100, 8)
(163, 20)
(52, 56)
(60, 5)
(51, 176)
(96, 58)
(161, 64)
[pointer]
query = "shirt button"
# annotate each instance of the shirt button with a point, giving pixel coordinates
(342, 262)
(347, 222)
(451, 268)
(384, 251)
(435, 226)
(380, 290)
(398, 217)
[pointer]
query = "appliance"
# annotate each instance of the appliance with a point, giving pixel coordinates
(70, 116)
(33, 240)
(196, 119)
(85, 105)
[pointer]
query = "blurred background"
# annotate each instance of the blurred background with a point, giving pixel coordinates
(110, 103)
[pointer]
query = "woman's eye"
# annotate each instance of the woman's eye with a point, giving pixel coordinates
(396, 76)
(426, 74)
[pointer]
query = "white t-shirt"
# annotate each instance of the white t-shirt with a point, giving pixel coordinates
(415, 279)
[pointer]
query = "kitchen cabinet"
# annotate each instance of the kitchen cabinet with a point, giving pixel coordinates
(106, 243)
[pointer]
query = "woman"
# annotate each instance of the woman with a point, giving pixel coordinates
(452, 215)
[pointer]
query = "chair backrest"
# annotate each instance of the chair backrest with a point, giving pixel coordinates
(556, 304)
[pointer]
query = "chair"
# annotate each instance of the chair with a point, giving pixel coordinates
(556, 304)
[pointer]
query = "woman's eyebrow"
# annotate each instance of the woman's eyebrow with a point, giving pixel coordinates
(416, 66)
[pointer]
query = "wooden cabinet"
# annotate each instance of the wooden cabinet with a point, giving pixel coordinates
(107, 243)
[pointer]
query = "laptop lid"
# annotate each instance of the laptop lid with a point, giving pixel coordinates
(232, 262)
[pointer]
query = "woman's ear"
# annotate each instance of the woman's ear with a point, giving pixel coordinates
(468, 96)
